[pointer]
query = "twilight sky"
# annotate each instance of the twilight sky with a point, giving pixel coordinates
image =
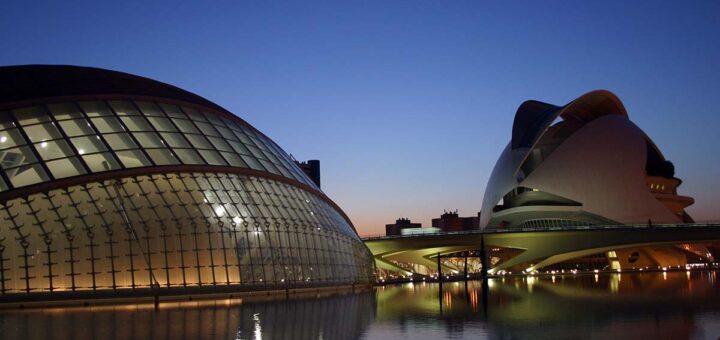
(406, 103)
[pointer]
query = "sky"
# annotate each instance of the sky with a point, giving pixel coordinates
(407, 104)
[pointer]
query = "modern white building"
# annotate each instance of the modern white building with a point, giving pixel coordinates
(583, 163)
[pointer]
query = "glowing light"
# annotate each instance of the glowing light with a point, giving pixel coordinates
(81, 151)
(3, 139)
(258, 328)
(219, 211)
(44, 145)
(237, 219)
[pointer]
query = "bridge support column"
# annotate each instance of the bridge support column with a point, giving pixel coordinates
(439, 268)
(466, 270)
(483, 259)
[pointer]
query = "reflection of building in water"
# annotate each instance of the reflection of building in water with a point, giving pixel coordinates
(562, 306)
(334, 317)
(117, 185)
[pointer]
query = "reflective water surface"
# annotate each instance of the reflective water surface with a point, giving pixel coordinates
(673, 305)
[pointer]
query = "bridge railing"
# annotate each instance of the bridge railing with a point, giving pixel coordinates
(713, 224)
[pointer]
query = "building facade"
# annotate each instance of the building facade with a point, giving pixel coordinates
(114, 184)
(581, 164)
(400, 225)
(451, 221)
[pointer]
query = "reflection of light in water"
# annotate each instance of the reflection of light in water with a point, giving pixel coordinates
(614, 283)
(448, 299)
(664, 275)
(553, 278)
(687, 273)
(474, 299)
(596, 278)
(258, 329)
(530, 283)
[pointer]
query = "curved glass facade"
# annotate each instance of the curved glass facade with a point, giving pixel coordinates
(176, 230)
(131, 195)
(46, 142)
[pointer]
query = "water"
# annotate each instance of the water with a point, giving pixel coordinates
(675, 305)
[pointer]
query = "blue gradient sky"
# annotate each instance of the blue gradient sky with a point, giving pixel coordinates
(406, 103)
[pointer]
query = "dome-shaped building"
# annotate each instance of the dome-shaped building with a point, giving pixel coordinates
(117, 185)
(584, 163)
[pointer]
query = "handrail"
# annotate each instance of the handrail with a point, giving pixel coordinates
(545, 229)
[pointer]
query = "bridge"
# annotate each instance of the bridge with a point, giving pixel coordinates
(535, 247)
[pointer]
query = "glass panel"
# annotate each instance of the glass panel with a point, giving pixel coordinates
(54, 149)
(27, 175)
(107, 124)
(212, 157)
(207, 129)
(31, 115)
(132, 158)
(240, 148)
(185, 125)
(149, 140)
(3, 186)
(149, 109)
(173, 111)
(101, 162)
(123, 108)
(65, 111)
(194, 114)
(253, 163)
(189, 156)
(77, 127)
(213, 118)
(199, 141)
(41, 132)
(136, 123)
(162, 156)
(95, 109)
(234, 159)
(10, 138)
(120, 141)
(270, 167)
(88, 144)
(226, 133)
(220, 144)
(16, 157)
(243, 138)
(175, 140)
(162, 124)
(67, 167)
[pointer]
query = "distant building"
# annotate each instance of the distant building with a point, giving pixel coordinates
(450, 221)
(311, 169)
(400, 224)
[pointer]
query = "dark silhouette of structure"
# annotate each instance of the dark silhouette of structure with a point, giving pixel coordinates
(311, 169)
(400, 224)
(451, 221)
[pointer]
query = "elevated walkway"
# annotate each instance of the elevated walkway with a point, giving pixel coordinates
(539, 247)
